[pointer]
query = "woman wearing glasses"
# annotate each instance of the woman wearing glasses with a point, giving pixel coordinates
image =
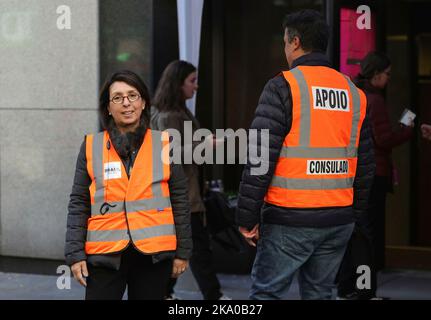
(129, 218)
(373, 79)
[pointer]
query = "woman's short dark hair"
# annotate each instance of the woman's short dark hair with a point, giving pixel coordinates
(310, 27)
(374, 63)
(169, 94)
(132, 79)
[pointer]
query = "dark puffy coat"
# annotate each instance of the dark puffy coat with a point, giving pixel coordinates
(385, 138)
(274, 112)
(79, 209)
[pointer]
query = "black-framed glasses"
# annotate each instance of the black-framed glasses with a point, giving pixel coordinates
(131, 97)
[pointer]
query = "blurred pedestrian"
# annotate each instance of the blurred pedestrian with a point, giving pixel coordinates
(373, 79)
(129, 218)
(301, 213)
(178, 84)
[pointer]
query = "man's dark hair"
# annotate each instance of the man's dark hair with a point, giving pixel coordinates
(310, 27)
(132, 79)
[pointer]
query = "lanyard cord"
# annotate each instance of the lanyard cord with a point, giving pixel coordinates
(104, 208)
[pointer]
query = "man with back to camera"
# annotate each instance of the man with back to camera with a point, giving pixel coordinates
(301, 213)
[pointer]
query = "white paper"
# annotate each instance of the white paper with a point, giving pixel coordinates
(407, 117)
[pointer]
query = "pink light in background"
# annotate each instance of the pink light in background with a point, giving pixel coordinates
(354, 43)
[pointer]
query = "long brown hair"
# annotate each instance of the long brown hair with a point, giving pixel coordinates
(169, 94)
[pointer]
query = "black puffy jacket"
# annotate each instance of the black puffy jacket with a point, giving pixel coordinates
(80, 210)
(274, 112)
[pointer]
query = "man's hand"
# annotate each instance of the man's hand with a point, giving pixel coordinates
(79, 270)
(179, 266)
(426, 131)
(250, 236)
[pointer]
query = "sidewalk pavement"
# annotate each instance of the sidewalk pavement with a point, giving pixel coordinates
(394, 284)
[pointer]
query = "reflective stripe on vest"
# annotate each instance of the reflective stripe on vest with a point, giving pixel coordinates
(126, 209)
(293, 184)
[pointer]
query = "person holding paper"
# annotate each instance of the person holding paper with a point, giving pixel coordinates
(373, 78)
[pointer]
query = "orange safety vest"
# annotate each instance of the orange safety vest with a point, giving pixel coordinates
(124, 210)
(317, 163)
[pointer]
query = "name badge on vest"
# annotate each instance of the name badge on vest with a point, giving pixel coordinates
(112, 170)
(330, 99)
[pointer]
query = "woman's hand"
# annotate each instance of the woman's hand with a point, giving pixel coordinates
(79, 270)
(179, 266)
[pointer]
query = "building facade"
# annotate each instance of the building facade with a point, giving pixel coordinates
(57, 53)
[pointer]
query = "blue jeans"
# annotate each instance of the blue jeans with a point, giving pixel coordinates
(282, 250)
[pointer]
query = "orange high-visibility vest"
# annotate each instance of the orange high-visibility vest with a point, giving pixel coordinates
(317, 163)
(124, 210)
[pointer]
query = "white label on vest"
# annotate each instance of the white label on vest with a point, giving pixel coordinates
(327, 167)
(330, 99)
(112, 170)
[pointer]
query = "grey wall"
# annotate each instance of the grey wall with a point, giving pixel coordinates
(48, 101)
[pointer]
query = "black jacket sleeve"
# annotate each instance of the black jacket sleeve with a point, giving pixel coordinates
(274, 112)
(79, 211)
(365, 170)
(181, 210)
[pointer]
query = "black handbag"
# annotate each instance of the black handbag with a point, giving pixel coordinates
(220, 211)
(220, 214)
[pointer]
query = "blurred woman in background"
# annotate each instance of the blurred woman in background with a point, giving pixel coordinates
(178, 84)
(373, 79)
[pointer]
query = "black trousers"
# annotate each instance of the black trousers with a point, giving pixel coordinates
(144, 279)
(201, 263)
(367, 245)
